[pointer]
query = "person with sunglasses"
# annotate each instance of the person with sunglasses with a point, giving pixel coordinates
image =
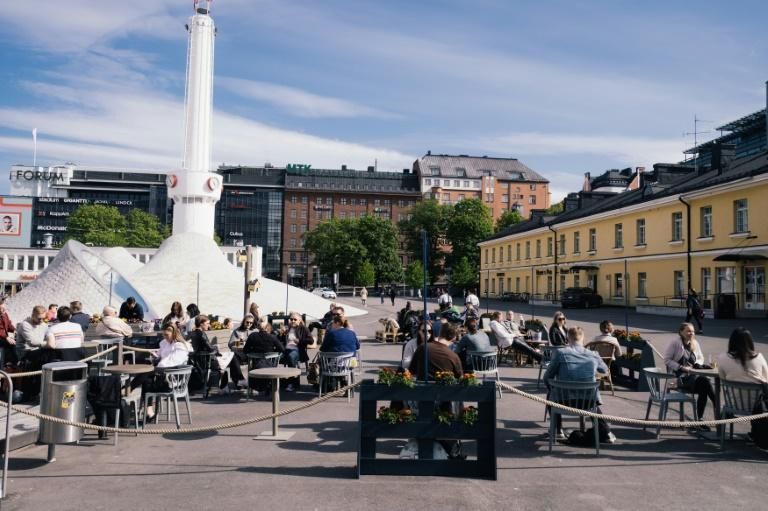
(240, 335)
(296, 338)
(558, 332)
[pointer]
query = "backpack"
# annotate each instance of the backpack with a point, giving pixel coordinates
(759, 431)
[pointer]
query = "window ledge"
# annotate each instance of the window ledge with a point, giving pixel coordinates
(591, 252)
(675, 243)
(618, 249)
(640, 246)
(617, 298)
(577, 253)
(704, 239)
(737, 235)
(641, 298)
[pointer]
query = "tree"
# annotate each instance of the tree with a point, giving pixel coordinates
(380, 239)
(507, 218)
(144, 230)
(98, 225)
(464, 275)
(556, 209)
(335, 248)
(390, 269)
(469, 223)
(430, 216)
(365, 274)
(414, 275)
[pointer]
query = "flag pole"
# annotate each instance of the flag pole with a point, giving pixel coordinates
(34, 144)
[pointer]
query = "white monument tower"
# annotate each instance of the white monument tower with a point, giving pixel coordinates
(195, 189)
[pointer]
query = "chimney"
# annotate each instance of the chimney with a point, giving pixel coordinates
(429, 152)
(371, 168)
(406, 171)
(343, 167)
(587, 186)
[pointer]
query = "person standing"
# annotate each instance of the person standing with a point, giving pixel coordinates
(392, 294)
(694, 309)
(472, 299)
(381, 294)
(445, 301)
(364, 296)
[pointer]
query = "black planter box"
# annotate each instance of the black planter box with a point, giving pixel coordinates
(426, 429)
(629, 372)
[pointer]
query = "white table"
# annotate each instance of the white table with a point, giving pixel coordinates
(274, 374)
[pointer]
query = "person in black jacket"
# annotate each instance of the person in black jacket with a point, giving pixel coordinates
(296, 338)
(558, 332)
(201, 344)
(132, 310)
(262, 341)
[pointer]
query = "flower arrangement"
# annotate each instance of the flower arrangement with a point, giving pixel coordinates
(216, 325)
(388, 376)
(445, 378)
(468, 415)
(391, 415)
(635, 336)
(468, 379)
(534, 324)
(95, 319)
(443, 416)
(623, 336)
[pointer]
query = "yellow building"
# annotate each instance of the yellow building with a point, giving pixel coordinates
(685, 226)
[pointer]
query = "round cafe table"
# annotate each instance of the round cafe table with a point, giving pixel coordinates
(274, 374)
(130, 370)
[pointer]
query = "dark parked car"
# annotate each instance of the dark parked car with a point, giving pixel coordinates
(581, 297)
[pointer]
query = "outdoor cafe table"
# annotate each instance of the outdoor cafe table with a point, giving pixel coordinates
(130, 370)
(274, 374)
(714, 374)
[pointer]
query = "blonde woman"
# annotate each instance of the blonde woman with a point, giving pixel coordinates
(682, 355)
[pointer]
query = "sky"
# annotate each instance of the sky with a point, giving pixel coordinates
(566, 87)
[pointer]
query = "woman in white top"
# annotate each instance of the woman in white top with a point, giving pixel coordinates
(177, 317)
(742, 363)
(172, 352)
(685, 354)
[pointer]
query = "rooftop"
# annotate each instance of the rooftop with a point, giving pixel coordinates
(506, 169)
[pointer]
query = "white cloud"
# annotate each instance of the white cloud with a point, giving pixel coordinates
(297, 101)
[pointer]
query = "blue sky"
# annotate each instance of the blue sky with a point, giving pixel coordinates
(566, 87)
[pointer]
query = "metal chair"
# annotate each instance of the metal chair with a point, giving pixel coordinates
(605, 350)
(740, 399)
(659, 393)
(336, 366)
(485, 363)
(547, 353)
(203, 361)
(576, 394)
(177, 379)
(261, 360)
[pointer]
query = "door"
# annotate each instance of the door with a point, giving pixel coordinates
(754, 288)
(592, 281)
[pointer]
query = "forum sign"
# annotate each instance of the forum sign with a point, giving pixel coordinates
(40, 181)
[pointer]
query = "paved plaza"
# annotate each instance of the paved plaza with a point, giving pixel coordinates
(315, 468)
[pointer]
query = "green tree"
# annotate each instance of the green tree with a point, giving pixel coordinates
(556, 209)
(390, 269)
(335, 247)
(430, 216)
(464, 275)
(469, 223)
(381, 240)
(414, 274)
(365, 274)
(96, 224)
(144, 230)
(507, 218)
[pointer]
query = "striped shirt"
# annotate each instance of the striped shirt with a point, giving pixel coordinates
(66, 335)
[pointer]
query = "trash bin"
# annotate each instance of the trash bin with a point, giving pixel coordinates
(63, 394)
(726, 306)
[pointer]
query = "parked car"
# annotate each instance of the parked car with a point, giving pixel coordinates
(581, 297)
(325, 292)
(515, 297)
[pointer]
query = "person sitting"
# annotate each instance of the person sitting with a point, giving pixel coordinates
(222, 361)
(192, 312)
(445, 301)
(65, 337)
(340, 339)
(296, 338)
(50, 315)
(132, 310)
(262, 340)
(558, 334)
(576, 363)
(177, 317)
(111, 325)
(417, 340)
(473, 340)
(403, 314)
(30, 334)
(606, 335)
(508, 335)
(253, 310)
(448, 335)
(7, 341)
(78, 316)
(240, 336)
(681, 356)
(742, 363)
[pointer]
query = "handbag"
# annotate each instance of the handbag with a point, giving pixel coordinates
(313, 371)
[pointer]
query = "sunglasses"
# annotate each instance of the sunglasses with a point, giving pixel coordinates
(248, 322)
(561, 318)
(293, 319)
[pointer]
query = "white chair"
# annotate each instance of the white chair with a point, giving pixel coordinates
(335, 366)
(740, 399)
(177, 379)
(575, 394)
(261, 360)
(485, 363)
(659, 393)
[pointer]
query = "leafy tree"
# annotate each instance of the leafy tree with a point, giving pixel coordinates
(335, 247)
(507, 218)
(96, 224)
(365, 274)
(464, 275)
(430, 216)
(390, 269)
(469, 223)
(144, 230)
(380, 239)
(414, 274)
(556, 209)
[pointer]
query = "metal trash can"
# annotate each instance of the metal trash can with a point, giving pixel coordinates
(63, 394)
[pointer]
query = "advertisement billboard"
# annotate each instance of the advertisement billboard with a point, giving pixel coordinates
(15, 222)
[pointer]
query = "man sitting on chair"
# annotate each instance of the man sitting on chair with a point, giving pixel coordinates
(606, 335)
(508, 335)
(576, 363)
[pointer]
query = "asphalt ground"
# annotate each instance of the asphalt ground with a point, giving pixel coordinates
(315, 468)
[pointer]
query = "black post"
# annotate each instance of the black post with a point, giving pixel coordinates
(425, 260)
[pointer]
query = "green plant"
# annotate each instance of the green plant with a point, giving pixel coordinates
(393, 416)
(445, 378)
(444, 416)
(388, 376)
(468, 379)
(468, 415)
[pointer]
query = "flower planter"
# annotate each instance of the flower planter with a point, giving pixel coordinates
(426, 429)
(629, 372)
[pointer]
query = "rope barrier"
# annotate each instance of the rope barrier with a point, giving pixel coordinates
(142, 350)
(177, 431)
(86, 359)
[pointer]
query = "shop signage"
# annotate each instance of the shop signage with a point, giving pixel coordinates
(41, 175)
(298, 166)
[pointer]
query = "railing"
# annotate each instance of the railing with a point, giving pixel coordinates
(6, 447)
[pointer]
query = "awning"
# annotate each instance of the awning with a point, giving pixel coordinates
(735, 257)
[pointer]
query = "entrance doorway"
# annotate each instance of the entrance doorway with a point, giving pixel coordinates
(754, 288)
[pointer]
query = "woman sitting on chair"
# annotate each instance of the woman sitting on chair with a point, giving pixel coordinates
(222, 361)
(742, 363)
(296, 338)
(240, 335)
(262, 341)
(558, 332)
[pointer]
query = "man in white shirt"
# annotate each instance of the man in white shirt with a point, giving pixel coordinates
(111, 325)
(445, 301)
(606, 335)
(30, 333)
(472, 299)
(509, 336)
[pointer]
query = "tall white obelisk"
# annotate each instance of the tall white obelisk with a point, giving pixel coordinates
(195, 189)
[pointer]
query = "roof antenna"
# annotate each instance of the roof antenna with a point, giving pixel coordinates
(696, 134)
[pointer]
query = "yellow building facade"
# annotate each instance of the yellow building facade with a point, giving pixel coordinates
(644, 248)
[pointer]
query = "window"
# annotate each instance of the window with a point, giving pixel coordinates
(486, 256)
(576, 242)
(461, 197)
(303, 214)
(642, 283)
(446, 196)
(532, 199)
(293, 213)
(493, 255)
(618, 236)
(740, 216)
(353, 201)
(533, 187)
(466, 184)
(456, 183)
(509, 254)
(576, 280)
(446, 182)
(343, 201)
(640, 231)
(705, 216)
(387, 202)
(328, 201)
(618, 285)
(550, 242)
(427, 182)
(562, 284)
(292, 243)
(677, 226)
(561, 246)
(304, 200)
(293, 257)
(679, 277)
(476, 184)
(293, 227)
(592, 240)
(363, 202)
(527, 249)
(517, 284)
(538, 248)
(517, 252)
(706, 282)
(293, 199)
